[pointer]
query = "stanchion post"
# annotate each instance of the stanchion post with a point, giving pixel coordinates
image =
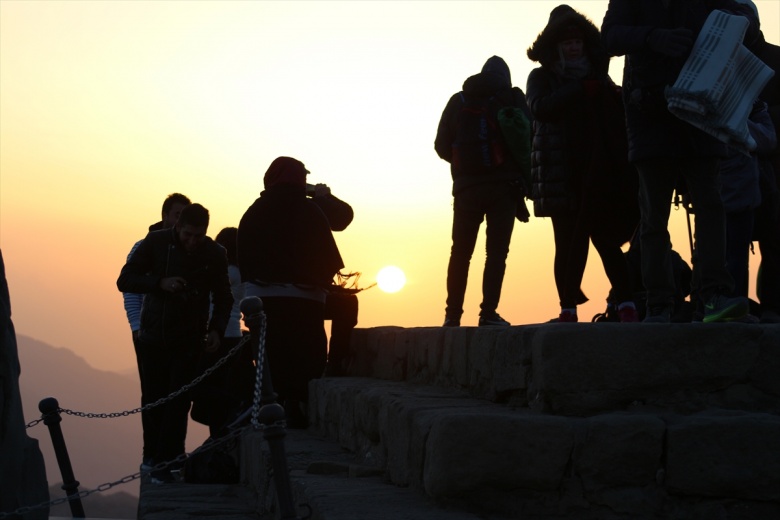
(271, 414)
(50, 409)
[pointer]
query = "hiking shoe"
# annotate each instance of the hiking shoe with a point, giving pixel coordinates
(565, 317)
(146, 465)
(162, 476)
(658, 314)
(722, 308)
(451, 321)
(492, 320)
(628, 315)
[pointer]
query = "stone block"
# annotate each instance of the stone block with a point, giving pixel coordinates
(470, 451)
(620, 450)
(731, 455)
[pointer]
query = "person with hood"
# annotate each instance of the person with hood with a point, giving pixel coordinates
(656, 36)
(287, 256)
(581, 177)
(481, 192)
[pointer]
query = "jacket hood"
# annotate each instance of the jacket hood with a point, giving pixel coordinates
(494, 77)
(565, 23)
(285, 170)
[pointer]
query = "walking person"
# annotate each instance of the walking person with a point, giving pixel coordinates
(581, 176)
(488, 189)
(656, 37)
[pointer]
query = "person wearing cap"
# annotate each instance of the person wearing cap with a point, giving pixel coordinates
(656, 37)
(581, 177)
(287, 256)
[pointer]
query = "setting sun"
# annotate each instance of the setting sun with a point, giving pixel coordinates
(390, 279)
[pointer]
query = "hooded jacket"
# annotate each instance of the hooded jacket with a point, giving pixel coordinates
(493, 80)
(557, 105)
(283, 237)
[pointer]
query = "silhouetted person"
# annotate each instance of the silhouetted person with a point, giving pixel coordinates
(581, 175)
(481, 192)
(181, 272)
(171, 209)
(288, 258)
(656, 37)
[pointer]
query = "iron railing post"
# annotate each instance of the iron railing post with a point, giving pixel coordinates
(50, 409)
(271, 414)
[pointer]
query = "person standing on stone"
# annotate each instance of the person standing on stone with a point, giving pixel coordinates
(288, 258)
(581, 176)
(486, 189)
(656, 36)
(183, 275)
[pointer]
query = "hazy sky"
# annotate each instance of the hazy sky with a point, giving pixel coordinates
(108, 106)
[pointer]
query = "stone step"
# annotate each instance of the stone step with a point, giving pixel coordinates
(581, 369)
(490, 459)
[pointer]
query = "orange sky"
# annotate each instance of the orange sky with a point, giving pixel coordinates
(106, 107)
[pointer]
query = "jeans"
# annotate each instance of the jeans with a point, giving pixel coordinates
(739, 230)
(657, 181)
(496, 203)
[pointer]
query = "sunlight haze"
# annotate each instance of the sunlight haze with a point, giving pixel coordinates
(107, 107)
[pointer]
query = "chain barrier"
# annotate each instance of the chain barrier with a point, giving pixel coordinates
(33, 423)
(259, 375)
(167, 398)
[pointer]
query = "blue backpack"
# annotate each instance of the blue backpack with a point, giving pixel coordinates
(478, 146)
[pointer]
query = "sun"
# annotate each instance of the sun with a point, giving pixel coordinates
(390, 279)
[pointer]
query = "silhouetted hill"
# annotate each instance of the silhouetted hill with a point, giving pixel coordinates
(100, 450)
(97, 505)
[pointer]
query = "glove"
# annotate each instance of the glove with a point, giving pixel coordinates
(672, 42)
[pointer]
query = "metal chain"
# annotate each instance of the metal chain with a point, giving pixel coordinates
(209, 444)
(165, 399)
(259, 374)
(33, 423)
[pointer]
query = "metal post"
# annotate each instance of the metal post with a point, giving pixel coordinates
(50, 409)
(271, 414)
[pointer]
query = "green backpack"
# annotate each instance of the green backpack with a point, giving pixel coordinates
(516, 130)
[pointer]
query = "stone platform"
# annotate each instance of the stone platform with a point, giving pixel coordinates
(577, 421)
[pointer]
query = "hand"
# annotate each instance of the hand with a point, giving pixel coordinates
(173, 284)
(321, 190)
(672, 42)
(212, 341)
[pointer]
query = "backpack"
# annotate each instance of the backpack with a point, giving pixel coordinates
(478, 146)
(516, 130)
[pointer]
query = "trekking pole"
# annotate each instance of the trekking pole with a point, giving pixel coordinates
(50, 409)
(271, 414)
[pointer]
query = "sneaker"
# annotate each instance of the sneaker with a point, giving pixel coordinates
(722, 308)
(565, 316)
(451, 321)
(162, 476)
(658, 314)
(492, 320)
(628, 315)
(146, 465)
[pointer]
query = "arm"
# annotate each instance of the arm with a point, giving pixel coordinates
(338, 212)
(762, 130)
(445, 135)
(136, 275)
(221, 295)
(133, 301)
(620, 31)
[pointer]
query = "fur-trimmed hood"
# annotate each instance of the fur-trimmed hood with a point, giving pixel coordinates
(562, 22)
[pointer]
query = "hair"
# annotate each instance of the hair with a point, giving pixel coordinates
(194, 215)
(228, 238)
(174, 198)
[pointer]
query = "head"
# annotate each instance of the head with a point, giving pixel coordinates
(571, 49)
(192, 226)
(285, 170)
(171, 209)
(496, 65)
(228, 238)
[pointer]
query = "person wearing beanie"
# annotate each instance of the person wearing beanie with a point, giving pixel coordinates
(656, 37)
(581, 177)
(492, 192)
(287, 256)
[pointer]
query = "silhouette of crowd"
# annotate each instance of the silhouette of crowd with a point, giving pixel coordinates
(604, 161)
